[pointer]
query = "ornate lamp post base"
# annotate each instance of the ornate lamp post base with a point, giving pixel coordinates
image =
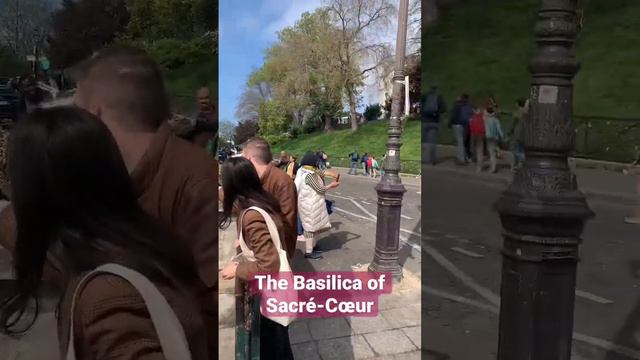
(390, 194)
(543, 212)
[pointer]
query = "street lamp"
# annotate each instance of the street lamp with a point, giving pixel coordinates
(543, 212)
(390, 189)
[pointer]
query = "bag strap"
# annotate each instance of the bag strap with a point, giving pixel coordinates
(243, 245)
(168, 328)
(271, 225)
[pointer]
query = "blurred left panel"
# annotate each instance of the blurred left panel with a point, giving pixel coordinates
(108, 179)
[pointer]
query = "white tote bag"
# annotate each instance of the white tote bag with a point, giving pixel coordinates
(282, 254)
(170, 332)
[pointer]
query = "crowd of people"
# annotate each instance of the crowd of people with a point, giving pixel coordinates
(477, 131)
(368, 162)
(113, 176)
(113, 210)
(258, 190)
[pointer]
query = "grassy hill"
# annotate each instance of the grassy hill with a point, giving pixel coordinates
(484, 46)
(371, 138)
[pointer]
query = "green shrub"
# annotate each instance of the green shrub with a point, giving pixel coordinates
(174, 53)
(310, 126)
(275, 140)
(372, 112)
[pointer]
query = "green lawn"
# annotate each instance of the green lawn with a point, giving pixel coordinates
(484, 47)
(371, 138)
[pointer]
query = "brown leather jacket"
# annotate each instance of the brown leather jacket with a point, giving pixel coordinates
(277, 183)
(176, 183)
(257, 237)
(111, 321)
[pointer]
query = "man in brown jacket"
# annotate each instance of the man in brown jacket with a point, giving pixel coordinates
(176, 181)
(277, 183)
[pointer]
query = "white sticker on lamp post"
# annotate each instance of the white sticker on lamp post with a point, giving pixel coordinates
(547, 94)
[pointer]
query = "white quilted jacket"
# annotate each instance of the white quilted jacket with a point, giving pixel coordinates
(311, 205)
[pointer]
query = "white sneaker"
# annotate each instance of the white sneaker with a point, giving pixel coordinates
(635, 220)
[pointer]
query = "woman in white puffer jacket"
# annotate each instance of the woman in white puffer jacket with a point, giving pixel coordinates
(312, 207)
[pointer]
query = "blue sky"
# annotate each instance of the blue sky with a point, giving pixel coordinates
(247, 28)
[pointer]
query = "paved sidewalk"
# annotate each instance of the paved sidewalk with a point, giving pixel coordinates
(393, 335)
(226, 298)
(597, 179)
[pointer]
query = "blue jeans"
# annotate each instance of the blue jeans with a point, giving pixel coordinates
(354, 168)
(458, 133)
(518, 153)
(300, 229)
(429, 139)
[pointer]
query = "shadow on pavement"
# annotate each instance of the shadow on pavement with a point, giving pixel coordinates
(407, 251)
(319, 341)
(629, 335)
(434, 355)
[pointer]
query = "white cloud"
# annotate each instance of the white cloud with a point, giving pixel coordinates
(249, 24)
(290, 11)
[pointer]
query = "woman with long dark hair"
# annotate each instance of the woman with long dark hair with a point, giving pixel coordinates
(242, 190)
(312, 205)
(74, 201)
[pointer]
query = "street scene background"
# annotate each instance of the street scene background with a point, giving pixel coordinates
(487, 57)
(304, 80)
(42, 41)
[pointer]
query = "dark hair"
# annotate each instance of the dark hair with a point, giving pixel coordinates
(243, 189)
(490, 109)
(71, 190)
(262, 148)
(309, 159)
(465, 96)
(130, 82)
(522, 102)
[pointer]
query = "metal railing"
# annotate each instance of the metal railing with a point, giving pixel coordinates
(605, 138)
(409, 166)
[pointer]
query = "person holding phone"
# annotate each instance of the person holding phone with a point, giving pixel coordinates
(312, 204)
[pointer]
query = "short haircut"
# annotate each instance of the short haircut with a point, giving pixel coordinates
(465, 96)
(203, 90)
(260, 148)
(129, 82)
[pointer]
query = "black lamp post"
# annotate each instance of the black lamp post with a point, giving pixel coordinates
(542, 211)
(390, 189)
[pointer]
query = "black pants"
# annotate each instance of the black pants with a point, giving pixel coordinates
(274, 341)
(467, 143)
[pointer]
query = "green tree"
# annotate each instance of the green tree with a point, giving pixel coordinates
(301, 70)
(358, 22)
(84, 26)
(176, 19)
(273, 120)
(175, 32)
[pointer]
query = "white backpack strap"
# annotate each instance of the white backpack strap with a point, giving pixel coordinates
(168, 328)
(243, 245)
(273, 229)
